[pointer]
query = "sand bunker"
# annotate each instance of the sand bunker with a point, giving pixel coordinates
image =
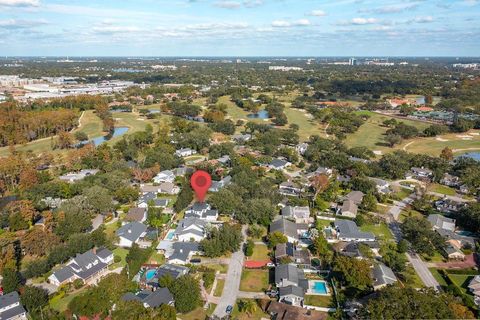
(461, 137)
(469, 138)
(141, 119)
(474, 133)
(441, 139)
(377, 152)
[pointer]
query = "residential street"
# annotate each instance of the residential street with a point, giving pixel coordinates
(422, 270)
(232, 281)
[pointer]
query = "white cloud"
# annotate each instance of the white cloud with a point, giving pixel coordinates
(358, 21)
(217, 26)
(426, 19)
(281, 24)
(286, 24)
(111, 29)
(317, 13)
(21, 24)
(228, 4)
(19, 3)
(396, 8)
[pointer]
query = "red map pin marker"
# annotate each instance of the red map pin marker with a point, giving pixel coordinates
(200, 182)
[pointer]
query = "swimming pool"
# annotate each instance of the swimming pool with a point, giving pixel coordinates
(319, 287)
(150, 274)
(170, 235)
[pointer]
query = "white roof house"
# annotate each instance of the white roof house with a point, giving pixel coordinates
(190, 229)
(164, 176)
(131, 233)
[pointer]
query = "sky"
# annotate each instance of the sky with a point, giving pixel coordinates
(240, 28)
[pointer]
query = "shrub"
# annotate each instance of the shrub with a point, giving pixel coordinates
(117, 259)
(77, 283)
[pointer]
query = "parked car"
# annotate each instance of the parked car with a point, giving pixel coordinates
(271, 265)
(197, 260)
(271, 293)
(229, 309)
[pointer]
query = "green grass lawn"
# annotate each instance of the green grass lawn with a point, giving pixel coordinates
(371, 133)
(381, 231)
(461, 280)
(438, 276)
(219, 288)
(436, 257)
(455, 141)
(412, 278)
(409, 213)
(402, 193)
(222, 268)
(319, 301)
(438, 188)
(383, 209)
(198, 314)
(254, 280)
(260, 252)
(60, 303)
(122, 253)
(156, 258)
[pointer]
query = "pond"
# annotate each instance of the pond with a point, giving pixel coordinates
(262, 114)
(117, 132)
(471, 155)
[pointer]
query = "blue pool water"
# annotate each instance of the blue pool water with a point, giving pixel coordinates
(319, 287)
(150, 274)
(472, 155)
(170, 235)
(262, 114)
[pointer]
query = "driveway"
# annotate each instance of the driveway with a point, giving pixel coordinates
(400, 205)
(232, 281)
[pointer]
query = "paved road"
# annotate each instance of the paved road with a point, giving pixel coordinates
(422, 270)
(453, 198)
(232, 281)
(400, 205)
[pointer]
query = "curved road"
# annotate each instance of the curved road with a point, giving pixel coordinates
(232, 281)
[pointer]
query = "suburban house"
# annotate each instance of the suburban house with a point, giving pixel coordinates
(474, 288)
(448, 205)
(348, 209)
(299, 214)
(301, 148)
(242, 138)
(189, 229)
(454, 251)
(352, 249)
(201, 210)
(168, 188)
(151, 299)
(217, 185)
(148, 188)
(289, 188)
(440, 222)
(77, 176)
(289, 251)
(291, 284)
(131, 233)
(347, 230)
(182, 252)
(422, 173)
(182, 171)
(321, 171)
(224, 160)
(383, 186)
(137, 214)
(354, 196)
(88, 267)
(11, 308)
(450, 180)
(185, 152)
(174, 271)
(279, 164)
(164, 176)
(382, 276)
(293, 231)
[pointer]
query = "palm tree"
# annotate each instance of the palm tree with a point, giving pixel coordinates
(248, 306)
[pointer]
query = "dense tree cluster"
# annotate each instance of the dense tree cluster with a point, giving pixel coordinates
(223, 240)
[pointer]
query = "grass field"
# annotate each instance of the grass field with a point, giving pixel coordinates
(254, 280)
(319, 301)
(60, 303)
(461, 280)
(438, 277)
(371, 133)
(438, 188)
(260, 252)
(458, 142)
(381, 231)
(222, 268)
(219, 288)
(198, 314)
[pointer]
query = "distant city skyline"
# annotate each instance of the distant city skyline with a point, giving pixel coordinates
(234, 28)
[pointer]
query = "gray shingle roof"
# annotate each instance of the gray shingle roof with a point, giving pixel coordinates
(383, 275)
(349, 229)
(9, 299)
(181, 250)
(158, 297)
(291, 290)
(131, 231)
(285, 226)
(289, 272)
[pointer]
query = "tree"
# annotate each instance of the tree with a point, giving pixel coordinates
(81, 136)
(186, 292)
(322, 249)
(275, 238)
(393, 139)
(221, 241)
(249, 248)
(352, 272)
(418, 231)
(320, 183)
(393, 257)
(446, 154)
(34, 298)
(369, 202)
(226, 201)
(38, 242)
(406, 303)
(98, 199)
(11, 280)
(256, 231)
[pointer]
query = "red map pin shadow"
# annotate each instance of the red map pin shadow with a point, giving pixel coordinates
(201, 182)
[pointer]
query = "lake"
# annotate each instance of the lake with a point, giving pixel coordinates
(262, 114)
(472, 155)
(117, 132)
